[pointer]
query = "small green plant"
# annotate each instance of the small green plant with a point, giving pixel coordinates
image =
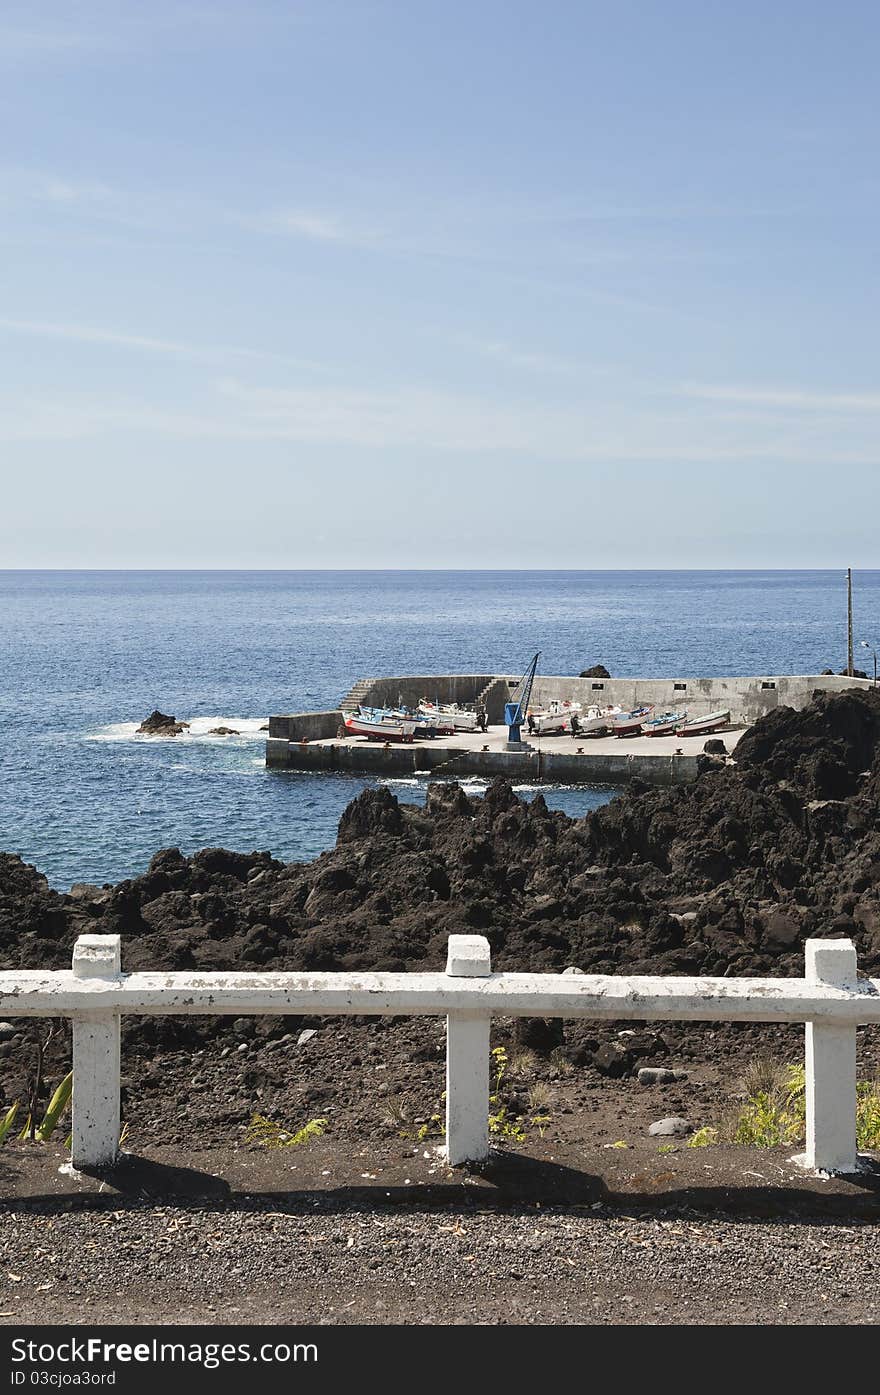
(702, 1138)
(619, 1143)
(435, 1128)
(868, 1114)
(668, 1148)
(523, 1063)
(501, 1122)
(8, 1120)
(55, 1110)
(396, 1114)
(559, 1062)
(774, 1115)
(540, 1097)
(506, 1125)
(272, 1135)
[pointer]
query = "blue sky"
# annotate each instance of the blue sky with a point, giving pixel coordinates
(411, 284)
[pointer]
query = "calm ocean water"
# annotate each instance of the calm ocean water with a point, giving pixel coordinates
(84, 656)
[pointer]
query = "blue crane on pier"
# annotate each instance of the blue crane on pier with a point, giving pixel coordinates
(517, 706)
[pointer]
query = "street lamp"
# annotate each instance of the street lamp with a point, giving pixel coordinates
(863, 644)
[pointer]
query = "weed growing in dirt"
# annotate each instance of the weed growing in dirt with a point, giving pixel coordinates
(523, 1062)
(560, 1065)
(435, 1127)
(774, 1112)
(40, 1132)
(703, 1138)
(272, 1135)
(396, 1114)
(8, 1120)
(540, 1097)
(868, 1114)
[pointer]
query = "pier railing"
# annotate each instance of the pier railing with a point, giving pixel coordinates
(830, 999)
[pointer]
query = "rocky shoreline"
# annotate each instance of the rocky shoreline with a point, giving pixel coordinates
(728, 875)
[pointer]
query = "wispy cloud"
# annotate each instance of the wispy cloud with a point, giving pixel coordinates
(532, 360)
(314, 225)
(799, 399)
(90, 334)
(419, 420)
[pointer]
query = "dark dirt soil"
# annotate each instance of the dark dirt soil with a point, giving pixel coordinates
(381, 1234)
(725, 876)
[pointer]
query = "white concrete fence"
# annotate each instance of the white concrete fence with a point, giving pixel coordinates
(830, 999)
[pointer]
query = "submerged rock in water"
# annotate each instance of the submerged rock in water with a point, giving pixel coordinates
(597, 671)
(224, 731)
(160, 724)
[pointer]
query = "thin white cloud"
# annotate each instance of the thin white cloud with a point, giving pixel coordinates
(532, 360)
(800, 399)
(417, 420)
(90, 334)
(313, 225)
(319, 227)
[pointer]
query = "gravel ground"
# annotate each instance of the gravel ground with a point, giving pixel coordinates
(412, 1242)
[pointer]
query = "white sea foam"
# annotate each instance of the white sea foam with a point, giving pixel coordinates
(199, 730)
(399, 781)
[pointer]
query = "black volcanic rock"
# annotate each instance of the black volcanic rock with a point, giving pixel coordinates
(160, 724)
(728, 874)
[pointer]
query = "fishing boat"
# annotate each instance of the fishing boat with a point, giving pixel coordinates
(704, 726)
(448, 717)
(664, 724)
(594, 721)
(630, 723)
(424, 725)
(378, 724)
(556, 717)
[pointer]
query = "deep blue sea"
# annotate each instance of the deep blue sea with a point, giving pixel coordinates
(84, 656)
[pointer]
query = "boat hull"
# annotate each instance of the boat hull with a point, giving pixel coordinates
(630, 723)
(380, 731)
(704, 726)
(664, 726)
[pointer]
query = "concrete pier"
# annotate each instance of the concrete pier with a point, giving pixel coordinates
(665, 760)
(312, 740)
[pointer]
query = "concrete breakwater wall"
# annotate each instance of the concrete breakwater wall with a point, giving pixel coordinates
(748, 698)
(487, 689)
(561, 767)
(305, 726)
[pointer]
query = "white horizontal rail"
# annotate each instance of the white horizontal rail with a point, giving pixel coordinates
(39, 994)
(831, 1000)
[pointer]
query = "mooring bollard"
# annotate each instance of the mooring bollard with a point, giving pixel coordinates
(831, 1065)
(96, 1060)
(467, 1058)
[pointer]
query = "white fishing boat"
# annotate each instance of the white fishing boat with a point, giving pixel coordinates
(594, 721)
(704, 726)
(665, 724)
(377, 724)
(630, 723)
(555, 717)
(448, 717)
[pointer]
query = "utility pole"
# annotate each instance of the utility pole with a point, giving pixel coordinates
(849, 627)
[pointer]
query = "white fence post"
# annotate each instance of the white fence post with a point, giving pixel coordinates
(96, 1060)
(467, 1058)
(831, 1065)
